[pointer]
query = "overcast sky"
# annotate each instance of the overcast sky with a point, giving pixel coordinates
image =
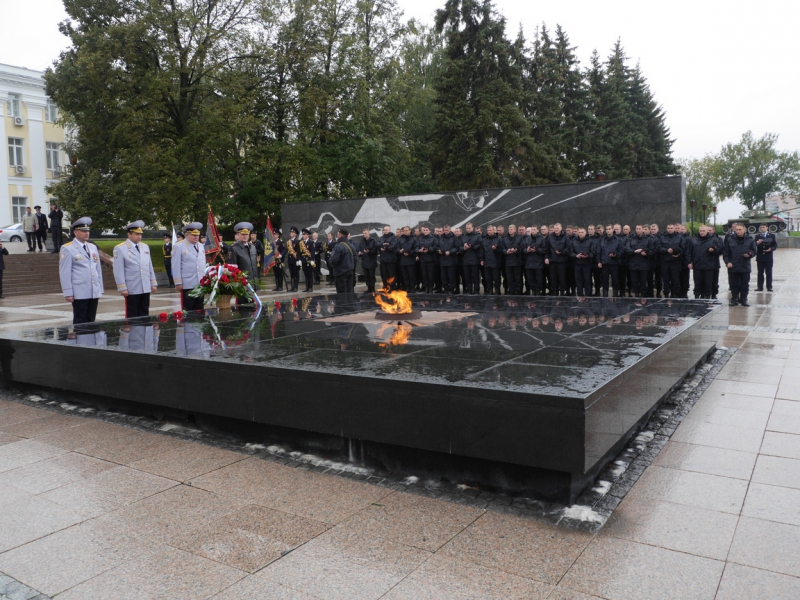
(719, 69)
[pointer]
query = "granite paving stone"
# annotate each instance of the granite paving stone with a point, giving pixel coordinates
(622, 570)
(784, 423)
(766, 545)
(9, 495)
(51, 473)
(413, 520)
(776, 470)
(250, 538)
(719, 436)
(132, 447)
(523, 547)
(746, 583)
(707, 459)
(31, 518)
(18, 454)
(164, 573)
(445, 578)
(42, 426)
(258, 588)
(88, 432)
(781, 444)
(182, 464)
(772, 503)
(673, 526)
(346, 565)
(7, 438)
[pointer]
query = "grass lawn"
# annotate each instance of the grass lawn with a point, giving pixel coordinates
(156, 253)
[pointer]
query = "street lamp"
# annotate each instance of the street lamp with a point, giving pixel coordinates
(692, 203)
(714, 210)
(705, 208)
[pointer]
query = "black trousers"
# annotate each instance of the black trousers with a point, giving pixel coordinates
(597, 278)
(684, 281)
(572, 282)
(84, 311)
(535, 278)
(448, 278)
(369, 278)
(703, 283)
(41, 238)
(346, 282)
(656, 285)
(715, 283)
(558, 278)
(764, 271)
(472, 279)
(623, 279)
(1, 282)
(491, 280)
(409, 276)
(30, 237)
(514, 275)
(389, 275)
(308, 274)
(613, 272)
(168, 269)
(740, 284)
(437, 276)
(639, 281)
(189, 303)
(428, 268)
(277, 270)
(137, 305)
(583, 280)
(57, 244)
(294, 274)
(671, 276)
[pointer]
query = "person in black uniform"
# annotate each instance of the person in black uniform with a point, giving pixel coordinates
(256, 243)
(167, 249)
(293, 258)
(448, 259)
(766, 243)
(308, 258)
(343, 264)
(3, 252)
(737, 252)
(428, 245)
(490, 260)
(512, 246)
(638, 248)
(581, 250)
(243, 254)
(407, 247)
(368, 253)
(672, 245)
(557, 259)
(470, 248)
(280, 254)
(41, 230)
(703, 256)
(388, 250)
(56, 216)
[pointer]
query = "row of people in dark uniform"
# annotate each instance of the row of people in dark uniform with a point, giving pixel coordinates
(597, 260)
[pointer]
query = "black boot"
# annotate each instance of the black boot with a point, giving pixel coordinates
(743, 300)
(734, 301)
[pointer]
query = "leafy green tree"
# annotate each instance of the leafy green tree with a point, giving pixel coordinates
(699, 173)
(753, 168)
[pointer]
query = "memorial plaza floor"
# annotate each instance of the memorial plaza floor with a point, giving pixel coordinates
(95, 510)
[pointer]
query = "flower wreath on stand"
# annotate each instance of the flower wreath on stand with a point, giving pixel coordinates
(224, 280)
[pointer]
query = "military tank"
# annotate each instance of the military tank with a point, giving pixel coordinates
(753, 219)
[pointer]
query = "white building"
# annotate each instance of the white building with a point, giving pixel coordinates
(786, 205)
(34, 157)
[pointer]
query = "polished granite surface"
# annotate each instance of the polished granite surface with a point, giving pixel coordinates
(562, 347)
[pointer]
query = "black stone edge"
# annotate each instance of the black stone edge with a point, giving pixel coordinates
(635, 457)
(11, 589)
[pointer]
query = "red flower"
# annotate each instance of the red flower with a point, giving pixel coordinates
(294, 302)
(277, 305)
(178, 314)
(163, 317)
(224, 279)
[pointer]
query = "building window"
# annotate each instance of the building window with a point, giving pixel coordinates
(51, 112)
(53, 151)
(15, 152)
(18, 206)
(14, 106)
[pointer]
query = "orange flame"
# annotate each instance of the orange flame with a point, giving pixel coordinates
(394, 302)
(402, 331)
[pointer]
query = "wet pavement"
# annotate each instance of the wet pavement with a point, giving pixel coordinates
(92, 509)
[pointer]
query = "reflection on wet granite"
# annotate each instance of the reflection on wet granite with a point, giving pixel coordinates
(573, 344)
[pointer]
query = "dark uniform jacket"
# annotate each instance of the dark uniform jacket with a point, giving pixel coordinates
(739, 251)
(490, 251)
(448, 242)
(430, 242)
(168, 251)
(42, 219)
(637, 262)
(369, 252)
(557, 248)
(768, 242)
(311, 255)
(513, 259)
(342, 259)
(699, 256)
(471, 254)
(535, 251)
(56, 217)
(585, 247)
(3, 252)
(407, 244)
(675, 241)
(607, 247)
(388, 244)
(244, 257)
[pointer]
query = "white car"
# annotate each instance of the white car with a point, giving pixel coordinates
(12, 233)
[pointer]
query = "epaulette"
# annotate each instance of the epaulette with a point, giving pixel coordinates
(118, 245)
(66, 245)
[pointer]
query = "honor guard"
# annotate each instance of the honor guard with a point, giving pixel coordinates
(308, 259)
(80, 273)
(243, 254)
(189, 265)
(293, 260)
(167, 248)
(133, 272)
(280, 252)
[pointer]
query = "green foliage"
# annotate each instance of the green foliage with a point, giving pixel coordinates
(754, 168)
(246, 104)
(699, 175)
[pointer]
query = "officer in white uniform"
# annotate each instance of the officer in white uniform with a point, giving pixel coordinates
(139, 338)
(133, 272)
(189, 265)
(80, 273)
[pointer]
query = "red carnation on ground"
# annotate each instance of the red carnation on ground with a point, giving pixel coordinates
(163, 317)
(178, 314)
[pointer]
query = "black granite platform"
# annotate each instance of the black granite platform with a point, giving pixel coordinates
(531, 395)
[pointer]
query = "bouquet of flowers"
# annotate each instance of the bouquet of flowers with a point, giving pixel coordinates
(223, 280)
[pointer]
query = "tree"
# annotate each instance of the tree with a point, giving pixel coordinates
(153, 91)
(754, 168)
(481, 138)
(699, 175)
